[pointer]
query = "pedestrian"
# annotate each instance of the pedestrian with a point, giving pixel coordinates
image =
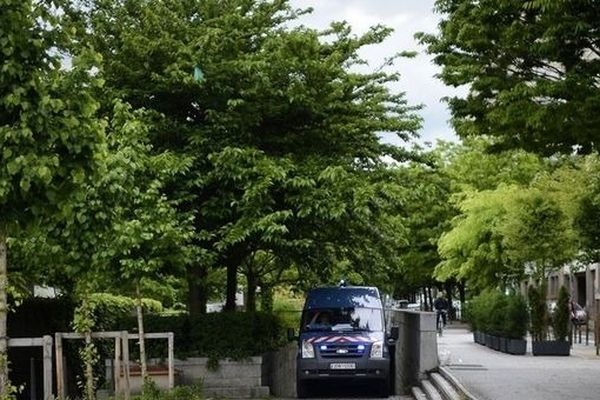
(441, 308)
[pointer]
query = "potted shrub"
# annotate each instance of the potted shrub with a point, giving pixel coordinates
(487, 308)
(497, 316)
(540, 345)
(516, 324)
(469, 313)
(560, 323)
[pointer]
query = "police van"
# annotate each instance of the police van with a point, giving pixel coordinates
(343, 336)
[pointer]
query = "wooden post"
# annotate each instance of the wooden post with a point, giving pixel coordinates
(597, 328)
(171, 344)
(60, 387)
(117, 368)
(125, 349)
(47, 360)
(32, 379)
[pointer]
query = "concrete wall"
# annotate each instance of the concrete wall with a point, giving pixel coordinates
(243, 373)
(416, 348)
(279, 371)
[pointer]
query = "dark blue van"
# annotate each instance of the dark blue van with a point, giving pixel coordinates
(343, 336)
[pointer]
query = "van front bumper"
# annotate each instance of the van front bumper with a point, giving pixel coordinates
(364, 368)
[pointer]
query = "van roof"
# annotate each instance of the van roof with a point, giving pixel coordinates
(342, 297)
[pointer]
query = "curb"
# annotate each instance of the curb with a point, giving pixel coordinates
(445, 372)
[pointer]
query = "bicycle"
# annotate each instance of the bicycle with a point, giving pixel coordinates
(440, 321)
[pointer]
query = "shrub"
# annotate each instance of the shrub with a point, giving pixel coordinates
(561, 315)
(152, 392)
(516, 317)
(538, 312)
(109, 308)
(216, 335)
(496, 313)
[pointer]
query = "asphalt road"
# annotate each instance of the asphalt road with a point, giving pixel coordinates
(491, 375)
(348, 390)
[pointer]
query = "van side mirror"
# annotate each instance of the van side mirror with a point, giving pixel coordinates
(291, 335)
(394, 333)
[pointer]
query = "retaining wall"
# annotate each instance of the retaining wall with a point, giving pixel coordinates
(416, 348)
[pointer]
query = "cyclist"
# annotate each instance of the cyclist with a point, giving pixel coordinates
(441, 308)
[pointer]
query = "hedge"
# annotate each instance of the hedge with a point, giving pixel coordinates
(235, 335)
(499, 314)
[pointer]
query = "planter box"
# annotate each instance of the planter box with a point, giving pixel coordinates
(495, 343)
(488, 340)
(516, 346)
(551, 348)
(504, 344)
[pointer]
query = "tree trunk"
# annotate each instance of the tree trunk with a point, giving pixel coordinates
(4, 383)
(140, 320)
(90, 393)
(232, 261)
(430, 294)
(197, 293)
(461, 294)
(232, 270)
(425, 299)
(251, 292)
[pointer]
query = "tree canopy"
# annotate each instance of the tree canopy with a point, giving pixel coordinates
(531, 68)
(275, 119)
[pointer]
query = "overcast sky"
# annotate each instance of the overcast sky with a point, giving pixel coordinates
(406, 17)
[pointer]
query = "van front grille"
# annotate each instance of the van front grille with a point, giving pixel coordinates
(341, 350)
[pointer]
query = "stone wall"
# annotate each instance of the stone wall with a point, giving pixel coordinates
(280, 371)
(416, 348)
(243, 373)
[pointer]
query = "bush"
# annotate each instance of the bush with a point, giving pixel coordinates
(498, 314)
(561, 315)
(516, 317)
(152, 392)
(538, 312)
(109, 308)
(215, 335)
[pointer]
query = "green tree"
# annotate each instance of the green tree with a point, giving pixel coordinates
(49, 133)
(531, 68)
(473, 249)
(119, 233)
(427, 211)
(266, 99)
(537, 233)
(470, 166)
(588, 211)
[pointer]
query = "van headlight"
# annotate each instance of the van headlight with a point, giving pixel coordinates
(308, 351)
(377, 350)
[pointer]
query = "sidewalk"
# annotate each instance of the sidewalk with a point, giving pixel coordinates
(491, 375)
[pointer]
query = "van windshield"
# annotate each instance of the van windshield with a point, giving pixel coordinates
(342, 319)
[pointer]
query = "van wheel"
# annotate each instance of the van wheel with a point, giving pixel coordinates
(301, 390)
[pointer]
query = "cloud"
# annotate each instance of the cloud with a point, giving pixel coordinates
(406, 17)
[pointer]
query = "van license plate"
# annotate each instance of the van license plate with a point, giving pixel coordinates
(342, 366)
